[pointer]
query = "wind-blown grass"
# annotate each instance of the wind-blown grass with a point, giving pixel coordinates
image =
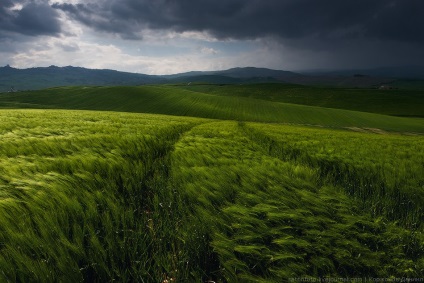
(80, 194)
(102, 196)
(385, 171)
(270, 219)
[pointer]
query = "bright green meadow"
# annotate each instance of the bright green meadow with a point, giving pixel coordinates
(228, 105)
(209, 183)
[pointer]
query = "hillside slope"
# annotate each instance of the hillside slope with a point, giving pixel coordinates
(395, 102)
(182, 102)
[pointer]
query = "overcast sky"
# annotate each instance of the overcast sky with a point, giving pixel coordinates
(171, 36)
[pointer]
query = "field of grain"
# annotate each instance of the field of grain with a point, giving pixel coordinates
(208, 183)
(101, 196)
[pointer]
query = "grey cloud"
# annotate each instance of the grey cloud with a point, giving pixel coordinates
(397, 20)
(34, 19)
(102, 18)
(70, 47)
(400, 20)
(7, 45)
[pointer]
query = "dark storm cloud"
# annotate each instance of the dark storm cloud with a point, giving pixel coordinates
(102, 17)
(397, 20)
(35, 18)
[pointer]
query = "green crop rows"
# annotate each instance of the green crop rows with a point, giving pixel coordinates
(233, 189)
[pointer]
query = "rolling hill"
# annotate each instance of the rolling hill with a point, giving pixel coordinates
(174, 100)
(404, 72)
(394, 102)
(246, 72)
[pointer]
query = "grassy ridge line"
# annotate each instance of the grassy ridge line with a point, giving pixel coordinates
(389, 102)
(385, 173)
(82, 196)
(260, 219)
(174, 101)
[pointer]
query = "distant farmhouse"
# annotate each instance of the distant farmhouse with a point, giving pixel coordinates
(385, 87)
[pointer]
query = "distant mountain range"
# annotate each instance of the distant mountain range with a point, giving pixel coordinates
(53, 76)
(12, 79)
(240, 73)
(402, 72)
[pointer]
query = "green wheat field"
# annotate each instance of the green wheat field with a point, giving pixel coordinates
(202, 183)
